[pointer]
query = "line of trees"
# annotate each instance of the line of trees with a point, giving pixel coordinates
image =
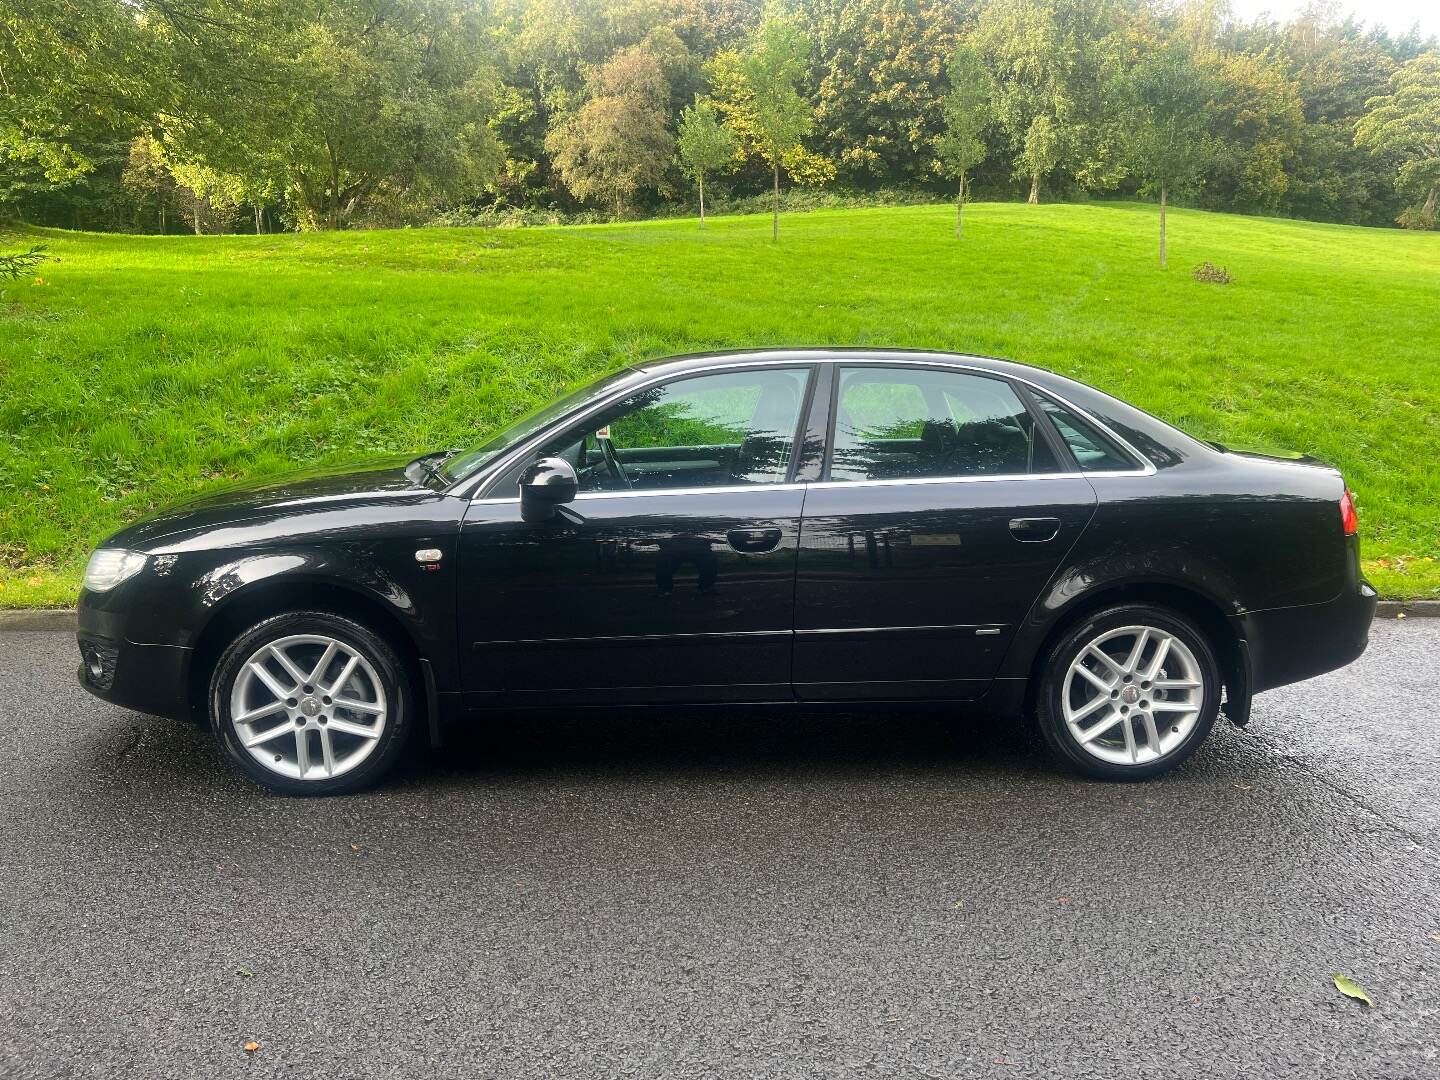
(216, 115)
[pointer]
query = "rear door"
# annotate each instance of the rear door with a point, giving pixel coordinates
(943, 509)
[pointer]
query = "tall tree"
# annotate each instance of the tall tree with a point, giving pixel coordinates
(1167, 144)
(877, 72)
(618, 142)
(965, 113)
(1405, 123)
(1049, 60)
(1257, 118)
(74, 74)
(705, 144)
(350, 99)
(772, 68)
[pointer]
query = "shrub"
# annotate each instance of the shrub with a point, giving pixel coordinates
(1208, 271)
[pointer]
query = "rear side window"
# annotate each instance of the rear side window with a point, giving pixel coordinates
(1093, 451)
(919, 423)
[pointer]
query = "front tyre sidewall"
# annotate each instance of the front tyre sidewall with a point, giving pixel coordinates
(387, 665)
(1050, 714)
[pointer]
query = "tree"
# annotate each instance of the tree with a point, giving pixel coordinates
(68, 72)
(965, 114)
(618, 142)
(705, 144)
(345, 99)
(1405, 123)
(1258, 119)
(772, 68)
(878, 69)
(1049, 60)
(1167, 144)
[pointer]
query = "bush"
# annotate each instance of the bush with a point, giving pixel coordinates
(1215, 275)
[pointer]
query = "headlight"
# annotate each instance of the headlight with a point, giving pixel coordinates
(108, 567)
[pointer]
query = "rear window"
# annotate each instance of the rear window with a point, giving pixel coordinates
(1093, 451)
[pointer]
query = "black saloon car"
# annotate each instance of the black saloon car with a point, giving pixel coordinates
(798, 527)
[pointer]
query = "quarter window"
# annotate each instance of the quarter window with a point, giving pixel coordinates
(730, 428)
(1093, 451)
(918, 423)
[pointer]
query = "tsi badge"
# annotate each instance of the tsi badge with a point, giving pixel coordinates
(429, 558)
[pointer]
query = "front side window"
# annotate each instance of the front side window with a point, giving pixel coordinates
(1093, 451)
(920, 423)
(730, 428)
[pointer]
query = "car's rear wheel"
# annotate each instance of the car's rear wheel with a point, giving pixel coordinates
(311, 703)
(1128, 693)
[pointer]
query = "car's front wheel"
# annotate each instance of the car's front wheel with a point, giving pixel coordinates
(311, 703)
(1129, 692)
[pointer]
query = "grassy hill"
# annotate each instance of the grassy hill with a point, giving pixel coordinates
(141, 369)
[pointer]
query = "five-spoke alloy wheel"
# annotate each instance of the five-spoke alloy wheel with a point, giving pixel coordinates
(1128, 693)
(310, 702)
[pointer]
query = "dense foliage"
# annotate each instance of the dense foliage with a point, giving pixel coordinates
(217, 115)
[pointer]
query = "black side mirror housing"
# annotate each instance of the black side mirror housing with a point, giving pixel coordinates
(545, 485)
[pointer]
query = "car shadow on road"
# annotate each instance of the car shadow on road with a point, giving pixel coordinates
(690, 741)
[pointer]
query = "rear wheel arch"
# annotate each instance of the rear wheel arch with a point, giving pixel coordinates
(277, 596)
(1193, 604)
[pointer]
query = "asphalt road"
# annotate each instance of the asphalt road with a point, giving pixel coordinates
(704, 896)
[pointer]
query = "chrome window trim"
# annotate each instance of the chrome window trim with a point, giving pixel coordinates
(466, 488)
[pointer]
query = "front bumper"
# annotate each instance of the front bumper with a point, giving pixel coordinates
(147, 678)
(1286, 645)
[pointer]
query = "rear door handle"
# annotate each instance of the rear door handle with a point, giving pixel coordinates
(1034, 530)
(754, 541)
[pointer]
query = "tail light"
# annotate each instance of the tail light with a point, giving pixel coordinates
(1348, 517)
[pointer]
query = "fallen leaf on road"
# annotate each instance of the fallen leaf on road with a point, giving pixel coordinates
(355, 848)
(1400, 615)
(245, 973)
(251, 1047)
(1244, 787)
(1435, 936)
(1063, 901)
(1350, 988)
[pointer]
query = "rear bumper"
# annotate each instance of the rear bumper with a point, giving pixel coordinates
(146, 678)
(1285, 645)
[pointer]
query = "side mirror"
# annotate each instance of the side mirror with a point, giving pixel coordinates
(544, 485)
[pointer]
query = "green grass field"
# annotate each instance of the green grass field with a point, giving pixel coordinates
(139, 370)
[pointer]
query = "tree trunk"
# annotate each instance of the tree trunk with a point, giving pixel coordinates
(701, 178)
(1162, 224)
(960, 206)
(196, 216)
(775, 213)
(1034, 199)
(1428, 210)
(259, 214)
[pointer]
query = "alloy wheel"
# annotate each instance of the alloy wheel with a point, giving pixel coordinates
(308, 707)
(1132, 695)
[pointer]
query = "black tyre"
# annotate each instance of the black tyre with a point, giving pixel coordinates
(310, 703)
(1128, 692)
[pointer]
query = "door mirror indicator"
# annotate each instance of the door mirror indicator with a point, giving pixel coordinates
(544, 486)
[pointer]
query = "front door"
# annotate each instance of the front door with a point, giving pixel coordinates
(943, 511)
(671, 577)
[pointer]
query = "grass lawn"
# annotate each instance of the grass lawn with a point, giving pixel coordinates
(139, 370)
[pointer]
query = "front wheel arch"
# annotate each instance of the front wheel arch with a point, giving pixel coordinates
(276, 597)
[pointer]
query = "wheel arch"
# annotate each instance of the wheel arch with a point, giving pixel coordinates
(273, 596)
(1189, 601)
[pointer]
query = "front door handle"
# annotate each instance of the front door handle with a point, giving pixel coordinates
(753, 541)
(1034, 530)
